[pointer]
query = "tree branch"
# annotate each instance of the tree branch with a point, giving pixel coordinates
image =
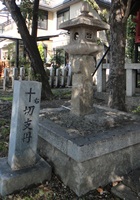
(127, 11)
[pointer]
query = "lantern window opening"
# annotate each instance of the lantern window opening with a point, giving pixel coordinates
(89, 36)
(76, 36)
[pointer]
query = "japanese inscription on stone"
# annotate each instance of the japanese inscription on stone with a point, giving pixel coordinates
(28, 112)
(24, 124)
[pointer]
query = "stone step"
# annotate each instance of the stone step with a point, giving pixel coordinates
(124, 192)
(129, 188)
(132, 180)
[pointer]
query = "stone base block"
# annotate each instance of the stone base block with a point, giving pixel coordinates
(11, 181)
(86, 162)
(124, 192)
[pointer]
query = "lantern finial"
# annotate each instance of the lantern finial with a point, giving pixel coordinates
(85, 8)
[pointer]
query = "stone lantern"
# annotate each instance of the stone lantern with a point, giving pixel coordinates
(83, 48)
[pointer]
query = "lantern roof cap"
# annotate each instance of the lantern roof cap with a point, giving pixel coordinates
(84, 20)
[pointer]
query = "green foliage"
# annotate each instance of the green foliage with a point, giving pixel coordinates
(23, 61)
(102, 13)
(10, 48)
(34, 77)
(130, 35)
(3, 147)
(41, 14)
(99, 42)
(8, 98)
(12, 58)
(41, 51)
(58, 58)
(4, 134)
(93, 4)
(3, 122)
(61, 94)
(137, 110)
(38, 77)
(138, 83)
(26, 7)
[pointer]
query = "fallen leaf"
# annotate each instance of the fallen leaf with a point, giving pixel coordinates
(100, 190)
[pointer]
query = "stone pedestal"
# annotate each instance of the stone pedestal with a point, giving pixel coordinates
(11, 181)
(82, 89)
(86, 162)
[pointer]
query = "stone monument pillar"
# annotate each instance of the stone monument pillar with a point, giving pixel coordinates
(23, 167)
(83, 48)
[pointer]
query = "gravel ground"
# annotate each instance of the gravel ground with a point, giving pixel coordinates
(54, 189)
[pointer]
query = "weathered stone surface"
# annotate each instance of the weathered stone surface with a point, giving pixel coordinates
(85, 20)
(132, 180)
(83, 64)
(24, 124)
(82, 177)
(23, 167)
(83, 33)
(83, 48)
(82, 89)
(129, 188)
(86, 147)
(11, 181)
(91, 160)
(124, 192)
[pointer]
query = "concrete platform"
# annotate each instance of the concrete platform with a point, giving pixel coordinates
(12, 181)
(87, 162)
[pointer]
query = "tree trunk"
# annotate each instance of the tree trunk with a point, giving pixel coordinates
(31, 46)
(35, 18)
(117, 55)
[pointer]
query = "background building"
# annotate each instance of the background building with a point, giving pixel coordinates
(50, 37)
